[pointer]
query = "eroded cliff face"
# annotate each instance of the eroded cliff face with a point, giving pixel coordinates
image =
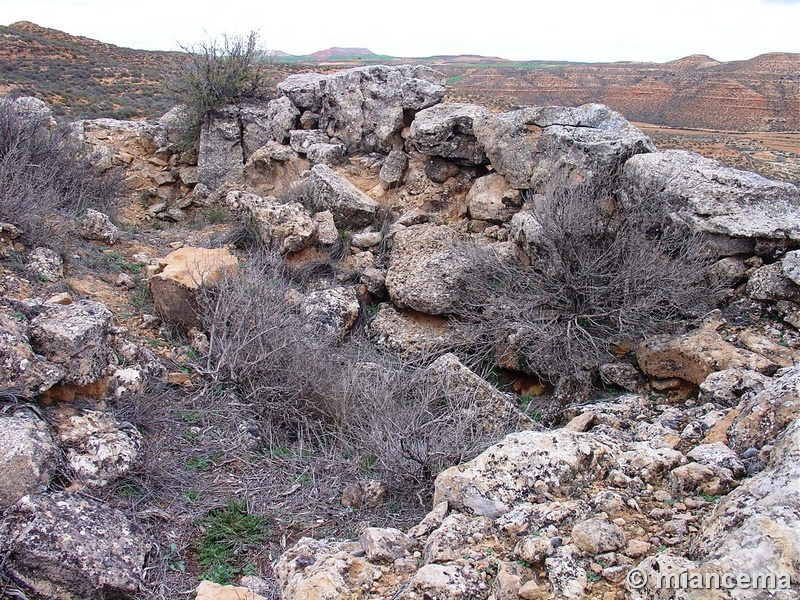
(759, 94)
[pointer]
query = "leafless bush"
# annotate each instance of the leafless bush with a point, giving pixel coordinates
(599, 276)
(45, 172)
(393, 413)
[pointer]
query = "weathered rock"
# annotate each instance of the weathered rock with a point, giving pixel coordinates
(595, 536)
(331, 313)
(728, 386)
(270, 123)
(738, 211)
(301, 140)
(790, 265)
(621, 374)
(221, 157)
(759, 343)
(73, 336)
(97, 226)
(652, 577)
(284, 227)
(446, 130)
(365, 107)
(694, 356)
(534, 549)
(23, 373)
(410, 332)
(312, 570)
(28, 458)
(350, 206)
(326, 154)
(427, 270)
(370, 493)
(477, 400)
(444, 582)
(385, 544)
(717, 455)
(208, 590)
(763, 416)
(491, 199)
(98, 449)
(182, 276)
(566, 572)
(274, 170)
(45, 264)
(366, 240)
(439, 170)
(67, 547)
(447, 542)
(756, 529)
(769, 283)
(702, 479)
(326, 228)
(533, 145)
(393, 169)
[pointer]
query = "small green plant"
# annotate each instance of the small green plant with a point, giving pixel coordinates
(199, 462)
(593, 577)
(174, 560)
(191, 495)
(712, 498)
(190, 416)
(228, 534)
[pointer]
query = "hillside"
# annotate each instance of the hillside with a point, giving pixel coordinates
(79, 76)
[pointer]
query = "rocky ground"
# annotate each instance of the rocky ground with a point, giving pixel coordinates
(134, 468)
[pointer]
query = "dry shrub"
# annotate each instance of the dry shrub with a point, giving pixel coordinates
(389, 412)
(45, 172)
(599, 275)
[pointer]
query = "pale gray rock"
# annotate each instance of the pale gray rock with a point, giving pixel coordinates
(737, 211)
(534, 549)
(596, 536)
(566, 571)
(791, 266)
(756, 528)
(350, 206)
(447, 542)
(385, 544)
(285, 227)
(447, 130)
(409, 332)
(67, 547)
(97, 226)
(393, 169)
(23, 373)
(717, 454)
(655, 572)
(270, 123)
(366, 240)
(326, 154)
(221, 157)
(45, 264)
(427, 269)
(763, 416)
(331, 313)
(491, 199)
(28, 458)
(73, 336)
(728, 386)
(770, 284)
(444, 582)
(326, 228)
(303, 90)
(98, 449)
(301, 140)
(533, 145)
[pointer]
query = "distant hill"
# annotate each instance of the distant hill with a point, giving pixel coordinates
(79, 76)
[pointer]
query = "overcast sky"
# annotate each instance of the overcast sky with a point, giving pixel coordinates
(594, 30)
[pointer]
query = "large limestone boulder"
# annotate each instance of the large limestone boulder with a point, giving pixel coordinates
(427, 269)
(23, 373)
(350, 206)
(694, 356)
(67, 547)
(365, 108)
(28, 458)
(221, 157)
(73, 336)
(447, 130)
(97, 226)
(410, 332)
(737, 211)
(182, 276)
